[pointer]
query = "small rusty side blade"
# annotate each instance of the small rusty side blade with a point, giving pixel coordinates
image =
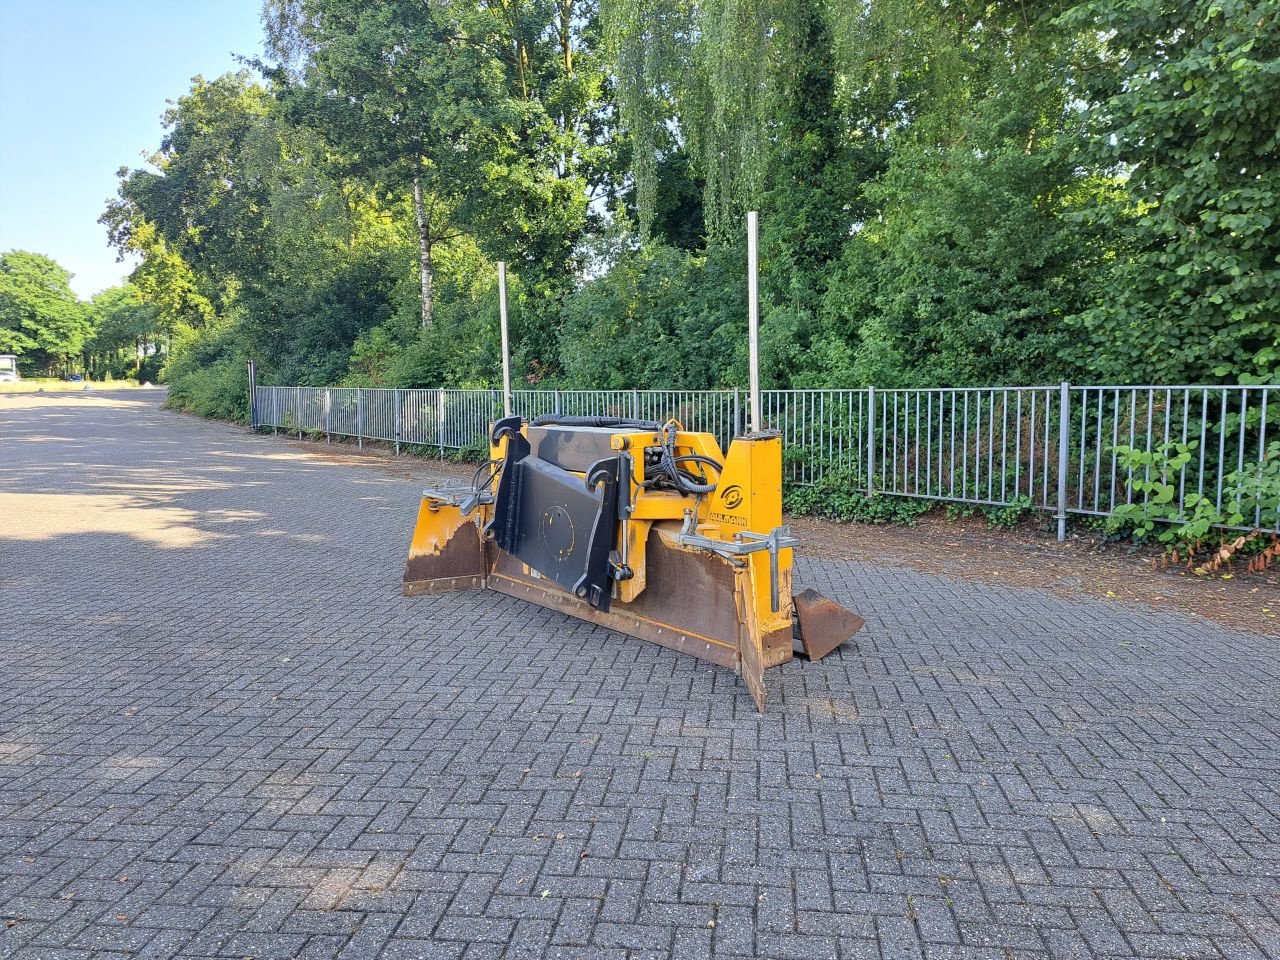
(446, 553)
(824, 624)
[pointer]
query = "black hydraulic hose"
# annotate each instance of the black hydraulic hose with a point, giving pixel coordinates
(563, 420)
(493, 466)
(699, 458)
(671, 465)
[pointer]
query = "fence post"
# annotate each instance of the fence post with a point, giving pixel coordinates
(737, 411)
(557, 403)
(635, 404)
(871, 441)
(360, 418)
(328, 407)
(253, 396)
(1064, 454)
(395, 399)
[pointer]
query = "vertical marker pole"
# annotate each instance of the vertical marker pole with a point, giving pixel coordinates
(506, 354)
(253, 396)
(753, 313)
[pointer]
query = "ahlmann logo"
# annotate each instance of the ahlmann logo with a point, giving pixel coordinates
(732, 497)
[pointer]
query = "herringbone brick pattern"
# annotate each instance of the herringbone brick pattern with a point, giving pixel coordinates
(224, 733)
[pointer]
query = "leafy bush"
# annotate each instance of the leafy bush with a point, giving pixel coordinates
(151, 370)
(207, 373)
(1008, 517)
(661, 318)
(1250, 498)
(220, 390)
(838, 496)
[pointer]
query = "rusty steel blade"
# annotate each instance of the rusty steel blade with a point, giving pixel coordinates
(446, 553)
(824, 624)
(703, 624)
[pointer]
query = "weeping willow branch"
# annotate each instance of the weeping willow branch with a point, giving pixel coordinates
(650, 43)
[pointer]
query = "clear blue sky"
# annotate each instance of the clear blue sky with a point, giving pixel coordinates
(83, 84)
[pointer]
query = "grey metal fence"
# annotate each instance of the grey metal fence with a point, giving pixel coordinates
(1050, 448)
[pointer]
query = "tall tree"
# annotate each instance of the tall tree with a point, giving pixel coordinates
(473, 108)
(125, 329)
(198, 215)
(40, 317)
(975, 256)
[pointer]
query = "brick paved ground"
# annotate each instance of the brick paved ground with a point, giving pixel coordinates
(224, 733)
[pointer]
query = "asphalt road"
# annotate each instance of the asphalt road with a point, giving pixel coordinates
(224, 733)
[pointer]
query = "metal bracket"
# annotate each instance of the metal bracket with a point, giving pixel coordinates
(465, 497)
(744, 543)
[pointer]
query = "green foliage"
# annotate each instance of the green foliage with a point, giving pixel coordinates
(974, 192)
(1002, 517)
(1250, 497)
(207, 373)
(838, 495)
(1188, 108)
(1008, 517)
(661, 317)
(125, 328)
(40, 318)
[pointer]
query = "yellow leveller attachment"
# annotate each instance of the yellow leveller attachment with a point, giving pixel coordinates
(641, 527)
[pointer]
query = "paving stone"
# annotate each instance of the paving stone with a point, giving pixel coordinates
(222, 722)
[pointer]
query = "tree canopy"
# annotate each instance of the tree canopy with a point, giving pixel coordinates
(40, 318)
(976, 192)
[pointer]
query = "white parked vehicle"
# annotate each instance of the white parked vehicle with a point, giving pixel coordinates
(9, 368)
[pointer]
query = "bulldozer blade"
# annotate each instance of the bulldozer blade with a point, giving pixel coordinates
(446, 552)
(701, 621)
(691, 604)
(824, 624)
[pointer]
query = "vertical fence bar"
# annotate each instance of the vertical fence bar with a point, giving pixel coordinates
(893, 450)
(1064, 451)
(1084, 440)
(1044, 466)
(871, 442)
(395, 400)
(1004, 445)
(1262, 455)
(440, 422)
(1222, 447)
(928, 443)
(1244, 416)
